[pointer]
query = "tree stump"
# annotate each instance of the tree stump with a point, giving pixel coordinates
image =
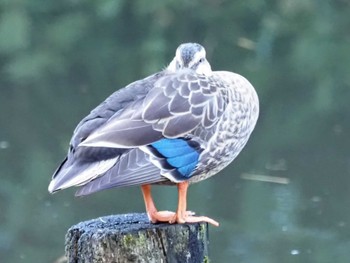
(132, 238)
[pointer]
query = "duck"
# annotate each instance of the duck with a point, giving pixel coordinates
(176, 127)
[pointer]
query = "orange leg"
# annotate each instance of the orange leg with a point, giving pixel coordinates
(181, 216)
(153, 214)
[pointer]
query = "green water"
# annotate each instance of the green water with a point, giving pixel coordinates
(59, 59)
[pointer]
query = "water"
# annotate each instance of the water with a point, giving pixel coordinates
(284, 199)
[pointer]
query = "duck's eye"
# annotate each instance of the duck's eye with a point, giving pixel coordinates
(201, 60)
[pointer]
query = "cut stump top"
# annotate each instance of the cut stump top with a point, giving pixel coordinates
(132, 238)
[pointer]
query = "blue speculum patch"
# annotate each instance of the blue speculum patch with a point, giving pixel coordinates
(179, 154)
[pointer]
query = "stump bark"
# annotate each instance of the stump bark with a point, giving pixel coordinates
(132, 238)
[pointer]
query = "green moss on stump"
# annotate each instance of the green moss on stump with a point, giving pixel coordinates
(131, 238)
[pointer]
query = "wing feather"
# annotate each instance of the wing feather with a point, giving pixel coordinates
(174, 107)
(163, 105)
(112, 107)
(178, 104)
(180, 126)
(124, 133)
(133, 168)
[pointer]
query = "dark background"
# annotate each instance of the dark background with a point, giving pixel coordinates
(59, 59)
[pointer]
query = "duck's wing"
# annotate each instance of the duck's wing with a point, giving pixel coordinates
(84, 164)
(132, 168)
(176, 105)
(111, 106)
